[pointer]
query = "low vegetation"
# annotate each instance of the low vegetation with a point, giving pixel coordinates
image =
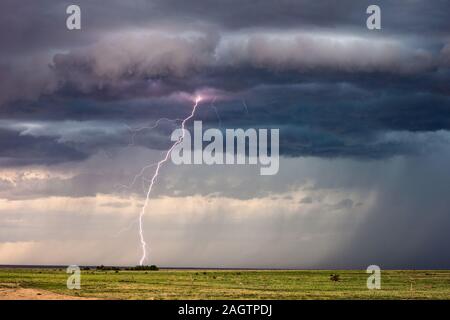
(137, 283)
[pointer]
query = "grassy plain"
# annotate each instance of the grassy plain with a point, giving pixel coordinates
(232, 284)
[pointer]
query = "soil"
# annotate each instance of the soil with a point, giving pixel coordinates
(13, 292)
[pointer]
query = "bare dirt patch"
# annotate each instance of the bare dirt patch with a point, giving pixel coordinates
(14, 292)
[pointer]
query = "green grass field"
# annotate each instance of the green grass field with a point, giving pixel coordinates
(214, 284)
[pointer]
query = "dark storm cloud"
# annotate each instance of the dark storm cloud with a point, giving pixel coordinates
(412, 201)
(310, 68)
(403, 16)
(24, 150)
(345, 121)
(31, 25)
(412, 17)
(38, 29)
(74, 101)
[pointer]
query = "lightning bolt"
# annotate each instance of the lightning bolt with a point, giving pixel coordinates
(136, 131)
(245, 106)
(155, 176)
(213, 106)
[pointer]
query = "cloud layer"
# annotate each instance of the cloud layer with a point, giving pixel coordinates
(363, 118)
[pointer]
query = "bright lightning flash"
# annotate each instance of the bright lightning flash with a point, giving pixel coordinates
(155, 176)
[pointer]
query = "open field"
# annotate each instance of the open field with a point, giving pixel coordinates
(222, 284)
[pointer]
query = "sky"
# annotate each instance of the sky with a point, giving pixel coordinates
(364, 120)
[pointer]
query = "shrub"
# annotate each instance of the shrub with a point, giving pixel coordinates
(145, 268)
(335, 277)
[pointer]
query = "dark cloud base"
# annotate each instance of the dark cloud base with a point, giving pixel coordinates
(376, 103)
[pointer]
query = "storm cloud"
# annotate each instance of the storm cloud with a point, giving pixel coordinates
(364, 114)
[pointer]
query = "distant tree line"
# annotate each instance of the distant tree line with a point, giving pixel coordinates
(136, 268)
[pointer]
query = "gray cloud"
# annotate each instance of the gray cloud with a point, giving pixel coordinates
(19, 150)
(329, 232)
(157, 63)
(306, 200)
(364, 119)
